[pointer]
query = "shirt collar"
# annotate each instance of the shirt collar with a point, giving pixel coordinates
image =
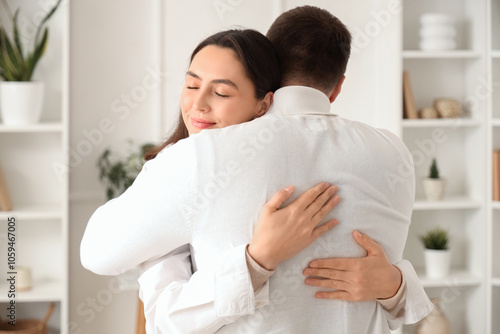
(299, 100)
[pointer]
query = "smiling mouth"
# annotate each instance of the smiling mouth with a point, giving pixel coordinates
(201, 123)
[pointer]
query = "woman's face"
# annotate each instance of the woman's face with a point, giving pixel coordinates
(217, 92)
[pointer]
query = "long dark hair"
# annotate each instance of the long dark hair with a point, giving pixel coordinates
(257, 55)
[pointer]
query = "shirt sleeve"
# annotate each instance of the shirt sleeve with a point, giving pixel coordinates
(151, 218)
(179, 301)
(411, 304)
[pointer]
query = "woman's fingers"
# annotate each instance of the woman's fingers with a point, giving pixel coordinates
(320, 230)
(323, 211)
(320, 201)
(279, 198)
(305, 200)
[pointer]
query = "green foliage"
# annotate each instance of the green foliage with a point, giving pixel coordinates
(14, 65)
(434, 172)
(436, 239)
(117, 174)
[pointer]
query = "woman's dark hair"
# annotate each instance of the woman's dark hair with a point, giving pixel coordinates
(257, 55)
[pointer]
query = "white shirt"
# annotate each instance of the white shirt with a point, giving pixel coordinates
(207, 190)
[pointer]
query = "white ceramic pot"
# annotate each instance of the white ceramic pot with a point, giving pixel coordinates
(437, 263)
(21, 102)
(434, 189)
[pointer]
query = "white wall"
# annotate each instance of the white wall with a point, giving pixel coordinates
(114, 47)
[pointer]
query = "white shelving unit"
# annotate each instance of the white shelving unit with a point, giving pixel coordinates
(462, 149)
(33, 159)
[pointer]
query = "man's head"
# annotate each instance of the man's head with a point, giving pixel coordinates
(313, 48)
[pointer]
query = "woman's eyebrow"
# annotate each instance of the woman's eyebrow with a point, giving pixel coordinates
(217, 81)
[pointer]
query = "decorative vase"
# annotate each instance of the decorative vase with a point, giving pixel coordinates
(434, 189)
(435, 322)
(437, 262)
(21, 102)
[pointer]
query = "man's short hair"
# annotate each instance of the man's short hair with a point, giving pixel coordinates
(313, 47)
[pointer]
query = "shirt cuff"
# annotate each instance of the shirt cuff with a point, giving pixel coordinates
(390, 304)
(258, 274)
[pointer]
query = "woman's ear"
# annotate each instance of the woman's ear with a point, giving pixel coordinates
(265, 104)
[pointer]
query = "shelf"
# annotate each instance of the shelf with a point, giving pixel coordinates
(457, 278)
(496, 205)
(33, 128)
(440, 122)
(450, 203)
(495, 54)
(451, 54)
(33, 212)
(495, 122)
(44, 290)
(495, 282)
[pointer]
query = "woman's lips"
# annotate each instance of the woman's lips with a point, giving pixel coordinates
(201, 123)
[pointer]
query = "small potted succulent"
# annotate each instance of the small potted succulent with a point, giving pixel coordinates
(437, 253)
(434, 186)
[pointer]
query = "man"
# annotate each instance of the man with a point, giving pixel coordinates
(300, 142)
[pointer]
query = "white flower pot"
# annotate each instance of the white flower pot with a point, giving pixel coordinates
(434, 189)
(21, 102)
(437, 263)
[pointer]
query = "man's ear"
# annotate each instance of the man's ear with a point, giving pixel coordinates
(265, 104)
(336, 91)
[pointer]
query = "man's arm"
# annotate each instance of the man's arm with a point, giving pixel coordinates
(151, 218)
(396, 287)
(177, 301)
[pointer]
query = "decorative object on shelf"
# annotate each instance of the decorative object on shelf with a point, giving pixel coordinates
(5, 201)
(28, 326)
(448, 108)
(435, 323)
(429, 112)
(437, 32)
(24, 278)
(434, 186)
(437, 254)
(21, 99)
(409, 110)
(118, 173)
(496, 175)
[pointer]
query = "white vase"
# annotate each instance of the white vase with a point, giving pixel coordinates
(434, 189)
(21, 102)
(437, 263)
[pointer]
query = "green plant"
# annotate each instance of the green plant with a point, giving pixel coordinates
(437, 238)
(434, 172)
(118, 173)
(14, 64)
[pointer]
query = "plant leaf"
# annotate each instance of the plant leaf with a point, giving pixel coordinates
(17, 40)
(45, 19)
(37, 54)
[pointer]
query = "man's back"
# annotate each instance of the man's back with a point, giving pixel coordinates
(299, 142)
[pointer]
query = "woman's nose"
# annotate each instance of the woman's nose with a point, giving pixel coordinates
(200, 102)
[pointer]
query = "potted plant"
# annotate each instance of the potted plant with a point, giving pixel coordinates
(434, 186)
(118, 172)
(21, 99)
(437, 253)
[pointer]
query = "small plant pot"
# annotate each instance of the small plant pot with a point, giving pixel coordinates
(21, 102)
(437, 263)
(434, 189)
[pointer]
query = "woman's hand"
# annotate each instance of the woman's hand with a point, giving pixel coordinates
(281, 233)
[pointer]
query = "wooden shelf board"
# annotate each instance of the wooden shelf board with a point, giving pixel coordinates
(33, 211)
(450, 203)
(32, 128)
(456, 278)
(450, 54)
(43, 290)
(440, 122)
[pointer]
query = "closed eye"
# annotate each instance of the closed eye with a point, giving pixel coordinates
(191, 87)
(221, 95)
